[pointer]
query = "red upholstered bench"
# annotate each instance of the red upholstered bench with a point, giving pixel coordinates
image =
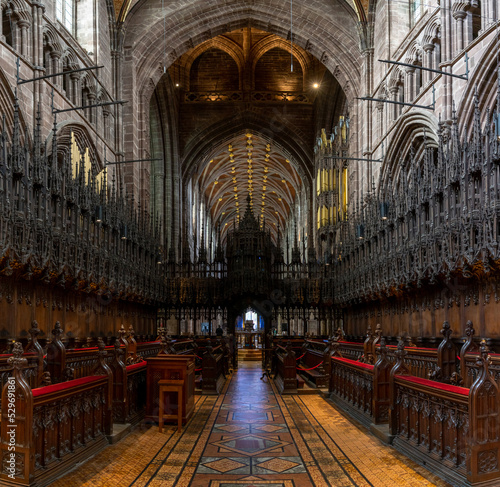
(63, 386)
(353, 362)
(434, 385)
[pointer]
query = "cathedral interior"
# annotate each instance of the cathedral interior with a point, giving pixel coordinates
(250, 243)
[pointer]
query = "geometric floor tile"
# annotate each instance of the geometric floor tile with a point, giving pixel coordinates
(279, 465)
(224, 465)
(268, 428)
(231, 428)
(250, 444)
(250, 416)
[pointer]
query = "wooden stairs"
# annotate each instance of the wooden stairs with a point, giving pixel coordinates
(251, 355)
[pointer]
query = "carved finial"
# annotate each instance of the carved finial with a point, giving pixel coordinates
(118, 350)
(17, 361)
(131, 331)
(446, 330)
(163, 345)
(122, 332)
(339, 334)
(469, 329)
(401, 352)
(383, 348)
(57, 331)
(456, 379)
(378, 330)
(484, 358)
(34, 331)
(100, 344)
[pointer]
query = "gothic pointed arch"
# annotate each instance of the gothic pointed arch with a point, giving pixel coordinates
(7, 102)
(482, 87)
(222, 43)
(70, 132)
(412, 129)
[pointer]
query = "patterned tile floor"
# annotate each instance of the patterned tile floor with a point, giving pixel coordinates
(251, 436)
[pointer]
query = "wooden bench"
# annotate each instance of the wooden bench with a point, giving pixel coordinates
(285, 369)
(129, 388)
(311, 366)
(454, 431)
(57, 426)
(213, 368)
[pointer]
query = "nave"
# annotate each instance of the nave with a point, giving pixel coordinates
(249, 436)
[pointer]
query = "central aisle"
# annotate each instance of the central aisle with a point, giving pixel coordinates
(251, 436)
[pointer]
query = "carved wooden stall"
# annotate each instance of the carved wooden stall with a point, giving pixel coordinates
(285, 369)
(129, 388)
(455, 431)
(56, 426)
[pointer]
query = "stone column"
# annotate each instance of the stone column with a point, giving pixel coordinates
(38, 11)
(409, 84)
(23, 26)
(73, 87)
(380, 119)
(368, 78)
(105, 119)
(394, 96)
(428, 62)
(55, 56)
(446, 30)
(90, 112)
(489, 14)
(459, 17)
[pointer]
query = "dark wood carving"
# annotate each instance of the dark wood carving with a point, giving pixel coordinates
(446, 357)
(399, 368)
(368, 357)
(57, 426)
(351, 386)
(56, 355)
(467, 373)
(212, 370)
(285, 369)
(483, 463)
(381, 388)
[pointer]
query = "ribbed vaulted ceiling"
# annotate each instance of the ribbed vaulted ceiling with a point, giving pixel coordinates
(249, 165)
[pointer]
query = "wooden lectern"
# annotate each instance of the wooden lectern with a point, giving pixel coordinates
(170, 367)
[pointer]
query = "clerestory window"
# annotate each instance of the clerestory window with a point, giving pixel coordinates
(415, 11)
(65, 13)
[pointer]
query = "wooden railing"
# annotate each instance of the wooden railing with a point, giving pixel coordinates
(430, 422)
(453, 430)
(53, 427)
(129, 388)
(352, 382)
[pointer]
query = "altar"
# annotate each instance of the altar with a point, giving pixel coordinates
(249, 338)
